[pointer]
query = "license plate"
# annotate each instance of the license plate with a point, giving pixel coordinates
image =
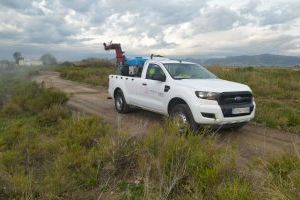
(236, 111)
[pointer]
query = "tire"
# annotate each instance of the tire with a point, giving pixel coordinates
(183, 111)
(120, 102)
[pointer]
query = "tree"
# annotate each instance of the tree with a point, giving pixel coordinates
(17, 56)
(48, 59)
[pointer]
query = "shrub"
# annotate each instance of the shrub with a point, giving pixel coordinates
(190, 166)
(32, 98)
(85, 131)
(122, 154)
(53, 115)
(75, 169)
(87, 74)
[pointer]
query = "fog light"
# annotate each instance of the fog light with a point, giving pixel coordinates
(209, 115)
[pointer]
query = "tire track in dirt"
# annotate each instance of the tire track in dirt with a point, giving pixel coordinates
(252, 141)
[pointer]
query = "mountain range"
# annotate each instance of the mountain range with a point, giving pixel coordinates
(254, 60)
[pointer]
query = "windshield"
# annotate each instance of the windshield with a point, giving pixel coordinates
(188, 71)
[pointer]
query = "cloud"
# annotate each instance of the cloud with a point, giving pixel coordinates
(216, 18)
(280, 14)
(176, 27)
(273, 14)
(16, 4)
(78, 5)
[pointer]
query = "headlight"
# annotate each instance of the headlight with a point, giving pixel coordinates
(207, 95)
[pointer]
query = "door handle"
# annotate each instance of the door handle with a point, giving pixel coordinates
(144, 84)
(167, 88)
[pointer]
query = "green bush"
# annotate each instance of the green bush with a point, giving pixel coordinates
(84, 131)
(53, 115)
(189, 167)
(87, 74)
(31, 98)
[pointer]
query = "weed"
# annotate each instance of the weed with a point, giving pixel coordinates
(235, 190)
(284, 177)
(131, 191)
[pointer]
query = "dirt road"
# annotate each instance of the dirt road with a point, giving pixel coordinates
(251, 141)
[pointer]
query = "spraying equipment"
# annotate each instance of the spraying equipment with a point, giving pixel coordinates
(126, 66)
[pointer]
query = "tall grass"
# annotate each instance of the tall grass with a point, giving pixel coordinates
(46, 152)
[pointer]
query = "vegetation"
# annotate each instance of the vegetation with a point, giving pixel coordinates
(93, 72)
(17, 56)
(276, 92)
(46, 152)
(48, 59)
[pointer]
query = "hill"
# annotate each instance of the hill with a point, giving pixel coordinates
(255, 60)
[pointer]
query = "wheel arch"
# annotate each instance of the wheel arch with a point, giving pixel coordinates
(175, 101)
(116, 90)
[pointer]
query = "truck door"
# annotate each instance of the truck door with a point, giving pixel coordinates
(152, 91)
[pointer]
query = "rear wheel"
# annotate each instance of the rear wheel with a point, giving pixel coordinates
(184, 117)
(120, 102)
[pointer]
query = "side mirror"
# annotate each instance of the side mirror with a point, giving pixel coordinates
(159, 77)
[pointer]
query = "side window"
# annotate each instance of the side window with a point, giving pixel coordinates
(154, 70)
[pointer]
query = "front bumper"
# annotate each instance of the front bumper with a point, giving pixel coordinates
(216, 111)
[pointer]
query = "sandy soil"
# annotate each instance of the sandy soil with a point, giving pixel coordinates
(252, 141)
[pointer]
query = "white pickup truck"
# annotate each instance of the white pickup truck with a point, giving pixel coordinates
(184, 90)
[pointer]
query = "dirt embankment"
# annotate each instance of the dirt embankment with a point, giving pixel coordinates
(251, 141)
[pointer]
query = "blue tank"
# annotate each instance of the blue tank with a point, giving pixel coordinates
(137, 61)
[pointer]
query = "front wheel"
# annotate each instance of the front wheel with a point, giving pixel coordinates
(184, 117)
(120, 102)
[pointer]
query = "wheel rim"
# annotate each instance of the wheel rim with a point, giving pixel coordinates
(181, 121)
(182, 118)
(119, 103)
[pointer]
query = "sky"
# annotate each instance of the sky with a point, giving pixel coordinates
(76, 29)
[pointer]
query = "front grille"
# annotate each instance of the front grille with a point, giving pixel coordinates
(227, 98)
(230, 100)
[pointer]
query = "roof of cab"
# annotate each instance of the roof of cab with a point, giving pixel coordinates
(164, 60)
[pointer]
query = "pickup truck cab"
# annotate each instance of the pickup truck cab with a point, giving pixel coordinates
(185, 90)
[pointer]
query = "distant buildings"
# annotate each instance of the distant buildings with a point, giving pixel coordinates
(30, 62)
(4, 64)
